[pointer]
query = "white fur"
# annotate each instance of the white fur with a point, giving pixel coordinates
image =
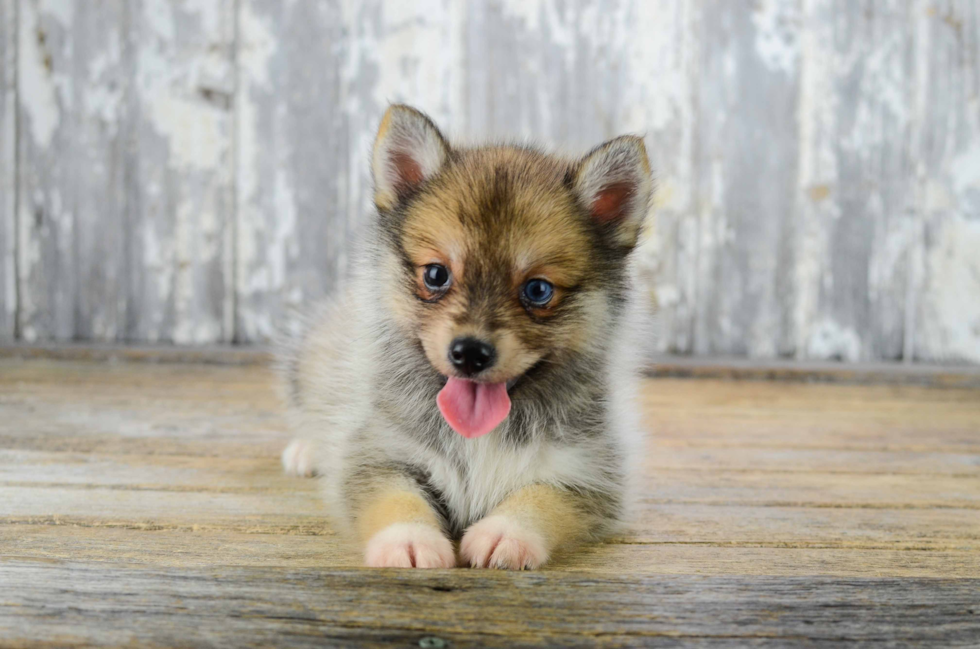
(409, 134)
(409, 545)
(338, 355)
(297, 459)
(501, 542)
(350, 356)
(622, 160)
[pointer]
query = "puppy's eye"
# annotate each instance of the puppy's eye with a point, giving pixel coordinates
(538, 292)
(436, 277)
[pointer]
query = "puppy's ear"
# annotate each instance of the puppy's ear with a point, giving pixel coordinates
(408, 150)
(613, 183)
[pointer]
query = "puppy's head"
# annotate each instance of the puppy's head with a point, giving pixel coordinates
(500, 258)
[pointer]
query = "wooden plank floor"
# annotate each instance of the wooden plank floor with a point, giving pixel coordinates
(143, 504)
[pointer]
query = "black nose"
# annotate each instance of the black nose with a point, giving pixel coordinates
(471, 356)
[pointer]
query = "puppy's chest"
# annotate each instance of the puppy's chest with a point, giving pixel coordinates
(484, 471)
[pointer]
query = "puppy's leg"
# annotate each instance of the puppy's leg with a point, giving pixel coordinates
(399, 527)
(524, 530)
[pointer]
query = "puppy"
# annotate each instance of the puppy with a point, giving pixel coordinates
(474, 383)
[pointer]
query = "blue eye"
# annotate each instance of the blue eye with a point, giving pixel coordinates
(436, 277)
(538, 292)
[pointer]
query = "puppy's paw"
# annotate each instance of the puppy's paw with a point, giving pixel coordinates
(297, 459)
(409, 545)
(501, 542)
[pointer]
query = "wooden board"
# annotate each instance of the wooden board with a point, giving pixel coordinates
(144, 502)
(313, 82)
(194, 172)
(124, 171)
(710, 367)
(857, 228)
(311, 607)
(8, 170)
(292, 176)
(746, 159)
(946, 158)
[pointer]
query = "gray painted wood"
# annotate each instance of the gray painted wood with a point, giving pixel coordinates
(546, 72)
(125, 171)
(946, 164)
(856, 226)
(564, 75)
(193, 174)
(313, 82)
(8, 179)
(746, 157)
(181, 188)
(293, 178)
(665, 45)
(69, 194)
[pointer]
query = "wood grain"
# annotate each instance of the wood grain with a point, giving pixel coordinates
(144, 502)
(198, 172)
(746, 158)
(71, 163)
(946, 158)
(8, 170)
(856, 226)
(661, 366)
(292, 174)
(313, 82)
(308, 543)
(346, 607)
(125, 171)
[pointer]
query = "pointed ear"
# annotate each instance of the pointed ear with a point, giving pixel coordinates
(614, 184)
(408, 150)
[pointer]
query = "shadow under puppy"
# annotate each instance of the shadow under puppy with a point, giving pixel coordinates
(475, 382)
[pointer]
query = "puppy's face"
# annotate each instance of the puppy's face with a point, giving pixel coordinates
(503, 258)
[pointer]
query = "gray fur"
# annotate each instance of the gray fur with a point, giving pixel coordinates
(363, 390)
(396, 428)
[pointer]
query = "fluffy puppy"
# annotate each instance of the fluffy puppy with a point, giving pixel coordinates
(473, 384)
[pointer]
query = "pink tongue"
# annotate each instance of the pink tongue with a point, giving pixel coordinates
(473, 409)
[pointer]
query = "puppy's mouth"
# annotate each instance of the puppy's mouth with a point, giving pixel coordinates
(473, 409)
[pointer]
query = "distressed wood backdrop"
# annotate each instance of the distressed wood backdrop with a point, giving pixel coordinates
(189, 171)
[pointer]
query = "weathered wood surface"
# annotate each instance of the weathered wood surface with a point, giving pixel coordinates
(858, 215)
(192, 172)
(344, 608)
(144, 503)
(8, 178)
(963, 376)
(746, 156)
(945, 136)
(125, 171)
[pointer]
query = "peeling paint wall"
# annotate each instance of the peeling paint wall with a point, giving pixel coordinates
(946, 167)
(196, 172)
(125, 170)
(8, 177)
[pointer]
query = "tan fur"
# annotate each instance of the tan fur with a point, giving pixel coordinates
(394, 505)
(365, 379)
(408, 150)
(542, 237)
(435, 235)
(553, 513)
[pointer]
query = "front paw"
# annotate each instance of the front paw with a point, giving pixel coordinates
(297, 459)
(409, 545)
(501, 542)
